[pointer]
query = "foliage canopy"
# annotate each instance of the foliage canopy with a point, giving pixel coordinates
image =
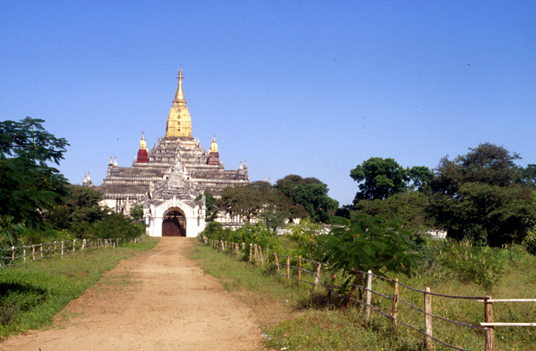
(381, 178)
(28, 185)
(480, 196)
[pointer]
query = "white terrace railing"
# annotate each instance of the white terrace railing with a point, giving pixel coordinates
(258, 255)
(29, 253)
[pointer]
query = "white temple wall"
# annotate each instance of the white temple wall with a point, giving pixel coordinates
(195, 217)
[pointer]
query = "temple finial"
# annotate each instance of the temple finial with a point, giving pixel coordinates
(179, 123)
(143, 143)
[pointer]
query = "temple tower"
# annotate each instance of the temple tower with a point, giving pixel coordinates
(143, 156)
(213, 155)
(179, 122)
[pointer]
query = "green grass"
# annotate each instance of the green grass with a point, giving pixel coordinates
(312, 324)
(292, 315)
(32, 294)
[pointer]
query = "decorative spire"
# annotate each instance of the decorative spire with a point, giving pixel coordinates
(214, 145)
(143, 143)
(213, 155)
(179, 95)
(111, 161)
(115, 161)
(240, 167)
(88, 177)
(179, 123)
(143, 155)
(245, 164)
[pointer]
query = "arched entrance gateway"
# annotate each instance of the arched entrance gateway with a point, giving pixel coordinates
(174, 223)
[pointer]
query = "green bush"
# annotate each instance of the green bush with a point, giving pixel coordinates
(305, 236)
(255, 234)
(214, 231)
(483, 265)
(113, 226)
(530, 241)
(9, 231)
(373, 243)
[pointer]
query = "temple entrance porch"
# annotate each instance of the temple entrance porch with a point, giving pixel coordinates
(174, 223)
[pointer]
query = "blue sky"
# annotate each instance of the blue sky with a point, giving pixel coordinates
(295, 87)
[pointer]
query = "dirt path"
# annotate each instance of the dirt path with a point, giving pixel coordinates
(159, 300)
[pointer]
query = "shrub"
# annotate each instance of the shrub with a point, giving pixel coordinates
(214, 231)
(483, 265)
(530, 241)
(305, 236)
(115, 225)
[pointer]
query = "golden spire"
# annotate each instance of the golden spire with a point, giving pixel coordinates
(214, 145)
(179, 122)
(143, 143)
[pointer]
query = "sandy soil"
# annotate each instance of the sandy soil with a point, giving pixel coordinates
(158, 300)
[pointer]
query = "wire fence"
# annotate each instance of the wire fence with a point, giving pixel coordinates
(16, 255)
(323, 275)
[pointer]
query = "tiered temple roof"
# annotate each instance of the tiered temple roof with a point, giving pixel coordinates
(175, 152)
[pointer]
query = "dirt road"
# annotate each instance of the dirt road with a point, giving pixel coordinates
(159, 300)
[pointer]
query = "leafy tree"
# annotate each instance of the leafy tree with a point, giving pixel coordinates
(364, 243)
(381, 178)
(79, 209)
(210, 203)
(480, 196)
(136, 212)
(408, 207)
(528, 175)
(28, 185)
(310, 193)
(258, 200)
(113, 226)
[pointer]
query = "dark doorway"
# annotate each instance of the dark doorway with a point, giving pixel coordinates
(174, 224)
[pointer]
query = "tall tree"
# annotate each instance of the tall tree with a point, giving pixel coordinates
(28, 185)
(480, 196)
(258, 200)
(79, 208)
(310, 193)
(381, 178)
(528, 175)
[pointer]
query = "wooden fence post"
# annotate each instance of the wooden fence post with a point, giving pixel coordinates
(300, 267)
(74, 245)
(83, 244)
(41, 250)
(24, 253)
(12, 253)
(255, 253)
(395, 306)
(54, 247)
(260, 256)
(276, 262)
(33, 252)
(428, 342)
(222, 246)
(490, 332)
(250, 248)
(368, 295)
(288, 268)
(317, 276)
(62, 249)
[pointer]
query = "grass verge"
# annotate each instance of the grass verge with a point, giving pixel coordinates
(291, 315)
(32, 294)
